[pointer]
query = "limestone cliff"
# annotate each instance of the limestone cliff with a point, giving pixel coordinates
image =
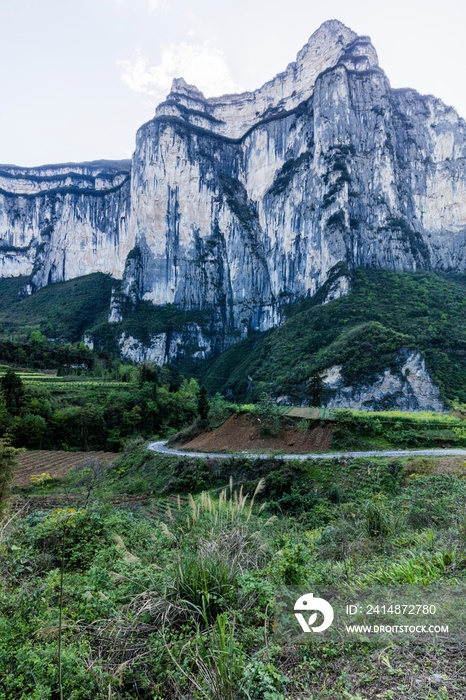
(241, 203)
(409, 388)
(62, 221)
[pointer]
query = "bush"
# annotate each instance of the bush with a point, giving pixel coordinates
(7, 465)
(220, 410)
(377, 519)
(269, 415)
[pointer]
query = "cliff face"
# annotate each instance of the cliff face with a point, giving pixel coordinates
(241, 203)
(63, 221)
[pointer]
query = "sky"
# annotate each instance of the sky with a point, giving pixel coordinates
(78, 78)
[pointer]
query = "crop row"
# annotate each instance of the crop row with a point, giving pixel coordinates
(60, 458)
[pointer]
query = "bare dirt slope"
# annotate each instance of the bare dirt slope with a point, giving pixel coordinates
(57, 464)
(241, 433)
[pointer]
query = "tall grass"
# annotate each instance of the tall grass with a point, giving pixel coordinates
(413, 568)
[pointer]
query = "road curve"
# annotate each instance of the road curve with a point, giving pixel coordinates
(160, 447)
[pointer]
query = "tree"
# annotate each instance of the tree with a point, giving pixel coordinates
(32, 430)
(315, 388)
(13, 390)
(37, 339)
(203, 405)
(149, 373)
(269, 416)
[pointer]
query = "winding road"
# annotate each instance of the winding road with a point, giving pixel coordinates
(161, 447)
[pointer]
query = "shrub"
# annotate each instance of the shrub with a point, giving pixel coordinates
(377, 519)
(268, 414)
(220, 410)
(7, 465)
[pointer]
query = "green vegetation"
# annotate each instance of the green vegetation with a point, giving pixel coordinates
(384, 313)
(288, 171)
(45, 330)
(176, 597)
(7, 464)
(62, 311)
(352, 429)
(385, 429)
(155, 578)
(45, 412)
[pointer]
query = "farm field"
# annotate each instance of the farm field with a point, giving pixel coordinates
(55, 382)
(56, 463)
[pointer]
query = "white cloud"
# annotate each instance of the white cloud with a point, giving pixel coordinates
(202, 65)
(161, 5)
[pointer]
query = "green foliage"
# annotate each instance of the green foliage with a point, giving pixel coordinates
(66, 359)
(354, 429)
(432, 500)
(377, 518)
(220, 410)
(337, 219)
(64, 310)
(7, 465)
(264, 681)
(42, 413)
(268, 414)
(237, 199)
(220, 661)
(203, 405)
(315, 389)
(84, 532)
(287, 172)
(413, 569)
(13, 391)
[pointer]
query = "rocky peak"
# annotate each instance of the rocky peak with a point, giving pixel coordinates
(181, 87)
(233, 115)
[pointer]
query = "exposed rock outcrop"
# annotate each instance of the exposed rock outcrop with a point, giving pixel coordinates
(410, 388)
(164, 348)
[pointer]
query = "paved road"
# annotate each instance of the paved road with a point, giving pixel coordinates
(161, 447)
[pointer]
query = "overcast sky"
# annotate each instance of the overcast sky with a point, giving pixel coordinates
(78, 77)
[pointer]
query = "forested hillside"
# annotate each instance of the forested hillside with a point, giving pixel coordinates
(363, 332)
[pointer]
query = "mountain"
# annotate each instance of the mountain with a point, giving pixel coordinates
(235, 207)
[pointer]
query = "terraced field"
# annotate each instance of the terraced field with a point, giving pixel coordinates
(56, 463)
(50, 379)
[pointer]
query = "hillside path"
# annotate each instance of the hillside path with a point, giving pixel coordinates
(161, 447)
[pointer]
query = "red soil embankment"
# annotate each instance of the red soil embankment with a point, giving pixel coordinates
(241, 432)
